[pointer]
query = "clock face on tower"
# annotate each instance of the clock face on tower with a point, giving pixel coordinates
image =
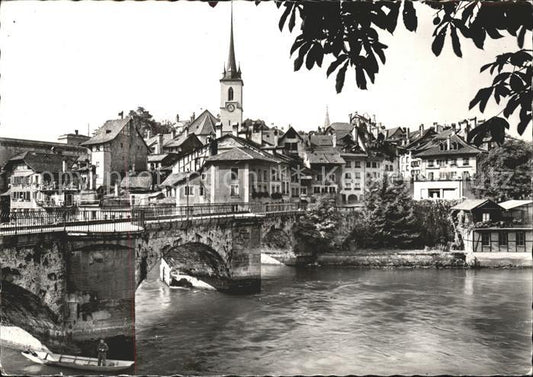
(230, 107)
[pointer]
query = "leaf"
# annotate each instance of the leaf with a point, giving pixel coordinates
(333, 66)
(292, 20)
(339, 81)
(301, 53)
(392, 17)
(311, 57)
(284, 16)
(493, 33)
(478, 36)
(485, 67)
(297, 43)
(495, 127)
(360, 78)
(516, 83)
(520, 37)
(409, 16)
(455, 42)
(482, 97)
(511, 106)
(525, 118)
(438, 42)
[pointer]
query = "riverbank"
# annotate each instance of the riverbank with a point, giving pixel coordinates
(396, 258)
(423, 259)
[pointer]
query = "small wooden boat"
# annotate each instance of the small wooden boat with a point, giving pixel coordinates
(76, 362)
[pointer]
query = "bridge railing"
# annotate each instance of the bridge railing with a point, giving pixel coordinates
(121, 219)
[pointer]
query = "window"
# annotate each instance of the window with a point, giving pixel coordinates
(316, 190)
(347, 176)
(357, 175)
(230, 94)
(201, 191)
(189, 190)
(454, 162)
(332, 177)
(303, 190)
(357, 164)
(265, 176)
(332, 190)
(502, 238)
(374, 164)
(434, 193)
(367, 164)
(486, 216)
(234, 174)
(319, 177)
(431, 163)
(466, 161)
(234, 190)
(485, 238)
(520, 239)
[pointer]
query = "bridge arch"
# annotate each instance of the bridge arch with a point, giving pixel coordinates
(195, 259)
(26, 310)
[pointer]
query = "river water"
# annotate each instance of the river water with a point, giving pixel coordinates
(335, 321)
(342, 321)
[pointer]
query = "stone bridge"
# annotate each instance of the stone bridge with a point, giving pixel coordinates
(86, 280)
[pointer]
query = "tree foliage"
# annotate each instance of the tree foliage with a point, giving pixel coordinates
(388, 219)
(349, 34)
(505, 172)
(145, 122)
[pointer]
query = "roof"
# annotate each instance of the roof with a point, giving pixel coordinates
(175, 178)
(140, 182)
(328, 156)
(40, 162)
(153, 140)
(510, 204)
(239, 154)
(157, 157)
(321, 140)
(470, 204)
(181, 139)
(392, 131)
(434, 149)
(204, 124)
(108, 131)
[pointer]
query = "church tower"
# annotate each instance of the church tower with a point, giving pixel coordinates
(231, 90)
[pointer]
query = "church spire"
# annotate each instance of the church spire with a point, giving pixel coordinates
(231, 71)
(326, 121)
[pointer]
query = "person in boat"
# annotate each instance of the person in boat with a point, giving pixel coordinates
(102, 349)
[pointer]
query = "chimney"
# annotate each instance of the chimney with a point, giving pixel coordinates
(148, 133)
(159, 144)
(218, 130)
(64, 166)
(421, 129)
(76, 132)
(355, 135)
(448, 142)
(193, 116)
(177, 118)
(334, 139)
(116, 189)
(276, 135)
(257, 134)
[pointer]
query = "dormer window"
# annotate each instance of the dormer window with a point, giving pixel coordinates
(230, 94)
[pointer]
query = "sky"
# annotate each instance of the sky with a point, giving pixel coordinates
(73, 65)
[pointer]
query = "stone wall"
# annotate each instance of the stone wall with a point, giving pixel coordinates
(237, 241)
